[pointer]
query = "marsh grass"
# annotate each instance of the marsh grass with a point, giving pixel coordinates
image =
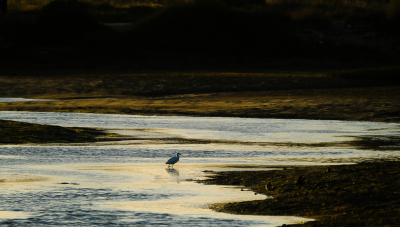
(13, 132)
(156, 84)
(176, 83)
(301, 95)
(387, 73)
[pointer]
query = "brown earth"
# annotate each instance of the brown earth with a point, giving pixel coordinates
(350, 195)
(365, 194)
(13, 132)
(262, 95)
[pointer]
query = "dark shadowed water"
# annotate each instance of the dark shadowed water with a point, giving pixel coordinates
(127, 183)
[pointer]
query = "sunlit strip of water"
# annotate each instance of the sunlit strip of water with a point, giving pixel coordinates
(125, 185)
(206, 154)
(242, 129)
(120, 195)
(21, 100)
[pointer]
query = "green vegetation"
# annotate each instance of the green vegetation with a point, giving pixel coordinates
(12, 132)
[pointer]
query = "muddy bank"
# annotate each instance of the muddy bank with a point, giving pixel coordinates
(370, 96)
(13, 132)
(364, 194)
(356, 195)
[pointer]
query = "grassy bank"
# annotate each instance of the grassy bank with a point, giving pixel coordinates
(87, 83)
(347, 195)
(13, 132)
(338, 95)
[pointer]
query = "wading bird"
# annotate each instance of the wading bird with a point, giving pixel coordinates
(173, 160)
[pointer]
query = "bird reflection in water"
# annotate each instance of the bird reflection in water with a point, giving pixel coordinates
(174, 174)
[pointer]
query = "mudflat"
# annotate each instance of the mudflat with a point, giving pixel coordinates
(296, 95)
(363, 194)
(13, 132)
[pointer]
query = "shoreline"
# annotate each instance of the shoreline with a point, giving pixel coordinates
(262, 96)
(333, 104)
(361, 95)
(18, 133)
(333, 195)
(363, 194)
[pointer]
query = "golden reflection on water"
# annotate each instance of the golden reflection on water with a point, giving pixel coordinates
(165, 191)
(183, 195)
(17, 178)
(15, 215)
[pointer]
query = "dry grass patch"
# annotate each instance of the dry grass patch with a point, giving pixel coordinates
(372, 104)
(346, 95)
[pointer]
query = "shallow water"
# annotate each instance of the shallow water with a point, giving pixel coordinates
(125, 184)
(21, 100)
